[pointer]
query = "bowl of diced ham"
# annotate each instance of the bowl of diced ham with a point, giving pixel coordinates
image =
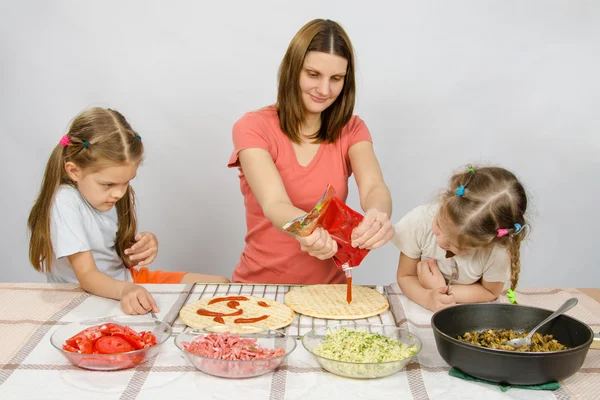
(243, 354)
(111, 343)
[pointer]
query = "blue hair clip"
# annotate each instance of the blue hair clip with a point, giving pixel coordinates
(85, 144)
(460, 191)
(138, 137)
(518, 228)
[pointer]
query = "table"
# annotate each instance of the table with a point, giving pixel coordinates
(30, 368)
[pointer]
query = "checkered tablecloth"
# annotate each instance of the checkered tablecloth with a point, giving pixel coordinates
(30, 368)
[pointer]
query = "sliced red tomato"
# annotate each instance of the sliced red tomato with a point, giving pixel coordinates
(149, 339)
(137, 344)
(92, 334)
(112, 345)
(109, 338)
(85, 346)
(135, 335)
(110, 327)
(68, 347)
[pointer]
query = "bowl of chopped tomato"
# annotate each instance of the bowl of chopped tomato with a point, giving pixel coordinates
(111, 343)
(244, 354)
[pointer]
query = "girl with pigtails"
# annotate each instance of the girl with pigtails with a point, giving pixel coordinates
(476, 226)
(83, 224)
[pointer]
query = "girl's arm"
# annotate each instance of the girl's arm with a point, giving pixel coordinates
(375, 199)
(431, 299)
(134, 298)
(478, 292)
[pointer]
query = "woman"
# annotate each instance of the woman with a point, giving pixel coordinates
(288, 153)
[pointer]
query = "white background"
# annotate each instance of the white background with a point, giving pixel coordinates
(440, 84)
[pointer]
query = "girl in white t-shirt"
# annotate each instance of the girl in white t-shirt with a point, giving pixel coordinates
(479, 222)
(83, 223)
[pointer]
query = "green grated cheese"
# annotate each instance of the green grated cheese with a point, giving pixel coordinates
(362, 347)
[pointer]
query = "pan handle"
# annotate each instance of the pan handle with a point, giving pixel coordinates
(596, 342)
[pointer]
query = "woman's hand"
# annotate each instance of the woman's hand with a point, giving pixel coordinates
(318, 244)
(374, 231)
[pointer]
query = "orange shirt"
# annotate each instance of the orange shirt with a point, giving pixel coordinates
(271, 256)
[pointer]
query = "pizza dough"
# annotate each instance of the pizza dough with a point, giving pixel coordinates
(279, 314)
(329, 302)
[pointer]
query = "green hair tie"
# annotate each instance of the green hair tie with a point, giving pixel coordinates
(138, 137)
(511, 296)
(471, 169)
(85, 144)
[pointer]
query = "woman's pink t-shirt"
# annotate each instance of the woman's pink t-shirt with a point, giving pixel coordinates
(271, 256)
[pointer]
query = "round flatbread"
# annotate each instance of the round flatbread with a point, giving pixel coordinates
(279, 315)
(329, 302)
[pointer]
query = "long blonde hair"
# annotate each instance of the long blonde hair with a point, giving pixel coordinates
(98, 138)
(483, 200)
(324, 36)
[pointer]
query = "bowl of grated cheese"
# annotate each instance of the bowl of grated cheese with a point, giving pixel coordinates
(362, 351)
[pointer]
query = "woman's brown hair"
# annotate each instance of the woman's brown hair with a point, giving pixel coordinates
(327, 37)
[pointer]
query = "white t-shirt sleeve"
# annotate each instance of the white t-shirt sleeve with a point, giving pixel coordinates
(410, 232)
(497, 266)
(67, 230)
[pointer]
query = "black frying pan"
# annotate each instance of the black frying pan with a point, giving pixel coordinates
(506, 366)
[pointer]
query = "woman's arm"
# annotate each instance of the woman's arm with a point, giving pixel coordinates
(376, 229)
(266, 184)
(372, 189)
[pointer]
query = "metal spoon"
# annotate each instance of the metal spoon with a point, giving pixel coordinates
(520, 342)
(454, 276)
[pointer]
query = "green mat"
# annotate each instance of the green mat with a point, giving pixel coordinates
(504, 387)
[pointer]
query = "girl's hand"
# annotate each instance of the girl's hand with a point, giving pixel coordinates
(374, 231)
(318, 244)
(429, 274)
(145, 249)
(137, 300)
(438, 299)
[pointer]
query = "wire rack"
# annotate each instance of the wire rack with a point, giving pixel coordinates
(301, 324)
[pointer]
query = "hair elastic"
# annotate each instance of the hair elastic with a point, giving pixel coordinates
(85, 144)
(138, 137)
(502, 232)
(64, 141)
(461, 189)
(512, 296)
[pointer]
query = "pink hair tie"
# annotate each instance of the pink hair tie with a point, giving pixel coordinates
(64, 141)
(502, 232)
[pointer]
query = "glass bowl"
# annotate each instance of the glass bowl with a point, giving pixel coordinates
(112, 362)
(363, 370)
(265, 338)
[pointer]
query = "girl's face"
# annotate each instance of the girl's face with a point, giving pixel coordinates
(104, 187)
(321, 80)
(445, 234)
